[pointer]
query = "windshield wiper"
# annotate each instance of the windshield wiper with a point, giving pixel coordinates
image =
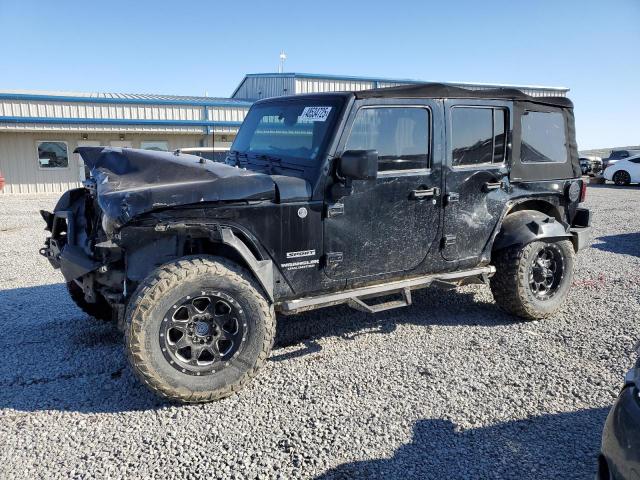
(270, 161)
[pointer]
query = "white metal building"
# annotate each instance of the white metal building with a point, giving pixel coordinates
(255, 86)
(40, 130)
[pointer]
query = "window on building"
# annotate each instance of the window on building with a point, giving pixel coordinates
(478, 135)
(543, 138)
(160, 146)
(399, 134)
(53, 154)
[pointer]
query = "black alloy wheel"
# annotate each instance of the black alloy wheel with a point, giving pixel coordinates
(546, 272)
(200, 333)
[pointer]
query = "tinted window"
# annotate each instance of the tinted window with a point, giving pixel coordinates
(635, 160)
(399, 134)
(478, 135)
(288, 130)
(499, 134)
(543, 137)
(618, 154)
(53, 155)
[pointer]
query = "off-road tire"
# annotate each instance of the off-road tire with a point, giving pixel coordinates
(621, 178)
(510, 284)
(157, 293)
(100, 309)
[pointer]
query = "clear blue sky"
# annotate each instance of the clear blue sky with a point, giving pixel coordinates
(189, 47)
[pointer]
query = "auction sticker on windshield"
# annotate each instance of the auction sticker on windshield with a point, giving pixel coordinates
(315, 114)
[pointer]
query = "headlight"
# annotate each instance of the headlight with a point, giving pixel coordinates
(108, 225)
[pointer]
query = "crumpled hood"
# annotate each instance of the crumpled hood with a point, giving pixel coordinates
(131, 181)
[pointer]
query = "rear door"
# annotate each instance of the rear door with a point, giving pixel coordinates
(388, 224)
(478, 134)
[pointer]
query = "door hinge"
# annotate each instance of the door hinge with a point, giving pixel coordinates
(449, 240)
(335, 209)
(334, 258)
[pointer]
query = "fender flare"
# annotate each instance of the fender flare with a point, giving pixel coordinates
(526, 226)
(262, 269)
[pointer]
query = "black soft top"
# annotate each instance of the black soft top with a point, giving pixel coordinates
(441, 90)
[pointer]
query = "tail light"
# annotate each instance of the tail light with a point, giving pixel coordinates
(583, 191)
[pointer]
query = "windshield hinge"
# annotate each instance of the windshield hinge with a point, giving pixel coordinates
(334, 258)
(335, 209)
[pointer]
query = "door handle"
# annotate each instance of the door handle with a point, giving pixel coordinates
(427, 193)
(489, 186)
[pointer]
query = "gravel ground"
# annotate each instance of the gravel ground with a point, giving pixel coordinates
(448, 388)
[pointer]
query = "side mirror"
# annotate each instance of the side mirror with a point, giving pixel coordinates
(358, 165)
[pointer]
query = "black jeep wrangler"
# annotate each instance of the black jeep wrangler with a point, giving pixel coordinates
(324, 199)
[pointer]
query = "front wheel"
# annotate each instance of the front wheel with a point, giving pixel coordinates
(532, 281)
(198, 329)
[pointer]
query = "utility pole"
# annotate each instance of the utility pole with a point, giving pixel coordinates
(283, 57)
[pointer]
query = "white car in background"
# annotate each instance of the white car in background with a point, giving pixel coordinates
(624, 172)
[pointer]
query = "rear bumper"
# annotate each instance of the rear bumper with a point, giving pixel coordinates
(581, 229)
(620, 454)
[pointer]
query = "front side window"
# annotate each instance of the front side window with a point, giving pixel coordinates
(399, 134)
(543, 138)
(53, 154)
(292, 131)
(478, 135)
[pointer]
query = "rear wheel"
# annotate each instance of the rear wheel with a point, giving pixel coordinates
(532, 281)
(621, 178)
(198, 329)
(100, 309)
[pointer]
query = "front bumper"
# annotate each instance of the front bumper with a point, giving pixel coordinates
(68, 247)
(620, 454)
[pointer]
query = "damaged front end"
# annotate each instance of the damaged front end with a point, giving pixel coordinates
(80, 248)
(105, 236)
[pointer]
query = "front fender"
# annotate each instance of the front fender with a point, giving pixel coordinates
(526, 226)
(149, 247)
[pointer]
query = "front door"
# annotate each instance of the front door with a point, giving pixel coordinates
(476, 177)
(388, 224)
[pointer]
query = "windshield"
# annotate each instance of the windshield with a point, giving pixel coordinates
(293, 131)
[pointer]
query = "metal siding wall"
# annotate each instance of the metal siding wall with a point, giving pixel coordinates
(318, 85)
(218, 114)
(19, 164)
(36, 108)
(43, 127)
(265, 87)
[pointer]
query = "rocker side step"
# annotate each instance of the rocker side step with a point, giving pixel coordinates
(355, 297)
(358, 303)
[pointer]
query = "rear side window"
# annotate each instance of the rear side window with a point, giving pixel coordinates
(543, 138)
(399, 134)
(478, 135)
